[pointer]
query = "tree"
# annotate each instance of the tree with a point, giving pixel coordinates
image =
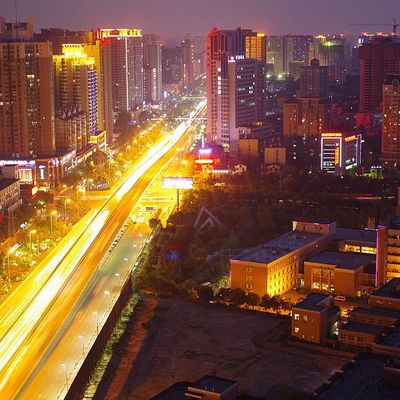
(253, 299)
(205, 293)
(266, 302)
(123, 120)
(275, 303)
(223, 295)
(237, 297)
(153, 223)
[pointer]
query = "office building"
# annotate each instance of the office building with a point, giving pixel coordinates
(314, 319)
(391, 120)
(340, 152)
(26, 100)
(76, 87)
(345, 274)
(378, 59)
(387, 296)
(314, 80)
(272, 268)
(152, 68)
(126, 67)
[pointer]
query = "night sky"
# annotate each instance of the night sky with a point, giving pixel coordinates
(179, 17)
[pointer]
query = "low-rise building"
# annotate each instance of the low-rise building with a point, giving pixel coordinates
(272, 268)
(358, 335)
(345, 274)
(10, 195)
(375, 316)
(387, 296)
(314, 319)
(356, 240)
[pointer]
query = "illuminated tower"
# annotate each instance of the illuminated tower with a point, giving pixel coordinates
(76, 86)
(26, 100)
(126, 67)
(100, 51)
(391, 120)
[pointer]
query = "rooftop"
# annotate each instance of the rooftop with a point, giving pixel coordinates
(391, 289)
(357, 235)
(212, 384)
(279, 247)
(313, 302)
(360, 379)
(377, 312)
(5, 182)
(351, 261)
(364, 328)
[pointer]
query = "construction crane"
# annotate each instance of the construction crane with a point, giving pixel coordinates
(394, 26)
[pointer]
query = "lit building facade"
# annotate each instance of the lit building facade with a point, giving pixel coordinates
(340, 152)
(188, 62)
(391, 120)
(126, 67)
(76, 86)
(26, 100)
(256, 46)
(273, 267)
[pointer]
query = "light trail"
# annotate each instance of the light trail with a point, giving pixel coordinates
(49, 283)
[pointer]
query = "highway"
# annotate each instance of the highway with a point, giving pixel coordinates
(45, 304)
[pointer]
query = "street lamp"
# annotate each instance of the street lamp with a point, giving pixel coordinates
(10, 251)
(65, 207)
(127, 148)
(108, 294)
(96, 314)
(53, 213)
(80, 337)
(64, 367)
(31, 232)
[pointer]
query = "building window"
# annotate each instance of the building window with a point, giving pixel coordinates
(249, 278)
(249, 269)
(297, 316)
(316, 285)
(305, 318)
(296, 329)
(248, 286)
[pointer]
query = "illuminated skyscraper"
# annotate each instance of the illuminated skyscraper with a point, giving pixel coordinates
(26, 100)
(76, 86)
(100, 51)
(391, 120)
(126, 67)
(152, 68)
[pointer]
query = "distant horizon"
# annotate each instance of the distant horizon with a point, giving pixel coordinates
(178, 18)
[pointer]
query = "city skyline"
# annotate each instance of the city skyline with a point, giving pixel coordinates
(197, 18)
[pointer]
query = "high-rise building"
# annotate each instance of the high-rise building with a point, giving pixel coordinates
(391, 120)
(58, 37)
(100, 51)
(16, 31)
(188, 62)
(235, 87)
(76, 86)
(172, 65)
(256, 46)
(378, 59)
(26, 100)
(280, 53)
(313, 80)
(126, 67)
(152, 68)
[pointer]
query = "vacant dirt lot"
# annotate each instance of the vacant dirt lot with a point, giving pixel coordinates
(174, 340)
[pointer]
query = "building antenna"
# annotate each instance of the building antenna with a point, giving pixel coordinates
(16, 12)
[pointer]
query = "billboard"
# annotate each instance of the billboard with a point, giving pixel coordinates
(175, 182)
